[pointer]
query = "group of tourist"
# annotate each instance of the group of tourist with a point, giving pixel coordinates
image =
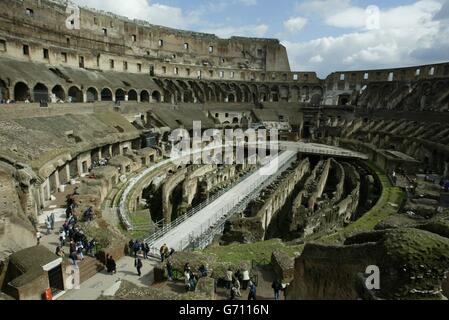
(241, 280)
(137, 246)
(70, 234)
(166, 252)
(100, 163)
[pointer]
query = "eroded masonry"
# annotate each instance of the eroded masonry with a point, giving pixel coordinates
(86, 164)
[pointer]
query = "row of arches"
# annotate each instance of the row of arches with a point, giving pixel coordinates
(41, 92)
(172, 91)
(202, 91)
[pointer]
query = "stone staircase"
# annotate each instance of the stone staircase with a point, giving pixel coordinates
(88, 268)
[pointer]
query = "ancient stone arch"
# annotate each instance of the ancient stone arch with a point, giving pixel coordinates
(40, 93)
(21, 92)
(75, 94)
(4, 92)
(106, 94)
(156, 96)
(284, 93)
(144, 96)
(295, 94)
(275, 93)
(120, 95)
(132, 95)
(92, 94)
(58, 92)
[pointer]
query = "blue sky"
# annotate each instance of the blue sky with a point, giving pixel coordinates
(320, 35)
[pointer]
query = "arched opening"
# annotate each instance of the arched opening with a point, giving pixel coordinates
(58, 93)
(231, 98)
(120, 95)
(315, 100)
(132, 95)
(305, 93)
(144, 96)
(92, 95)
(40, 93)
(75, 95)
(21, 92)
(106, 95)
(4, 93)
(188, 97)
(156, 96)
(344, 100)
(235, 120)
(295, 94)
(168, 97)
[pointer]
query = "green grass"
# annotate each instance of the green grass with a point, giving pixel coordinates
(379, 212)
(260, 252)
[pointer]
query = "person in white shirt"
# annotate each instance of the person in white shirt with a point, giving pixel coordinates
(245, 279)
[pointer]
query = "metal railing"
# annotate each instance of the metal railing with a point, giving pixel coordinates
(204, 240)
(170, 226)
(217, 220)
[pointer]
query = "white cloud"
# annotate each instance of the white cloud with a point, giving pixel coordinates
(407, 35)
(316, 59)
(248, 2)
(295, 24)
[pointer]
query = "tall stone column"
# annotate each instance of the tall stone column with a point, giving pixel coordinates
(67, 172)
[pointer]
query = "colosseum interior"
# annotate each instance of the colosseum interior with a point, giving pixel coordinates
(87, 144)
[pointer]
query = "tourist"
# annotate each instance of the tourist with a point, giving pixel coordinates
(72, 246)
(88, 214)
(277, 287)
(38, 237)
(52, 221)
(234, 293)
(68, 212)
(187, 279)
(229, 277)
(192, 281)
(236, 285)
(245, 279)
(130, 247)
(164, 252)
(203, 270)
(48, 225)
(138, 264)
(187, 267)
(79, 251)
(62, 238)
(252, 291)
(169, 270)
(284, 289)
(90, 247)
(110, 264)
(136, 248)
(74, 257)
(146, 251)
(59, 252)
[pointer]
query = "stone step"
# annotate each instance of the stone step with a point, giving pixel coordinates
(88, 268)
